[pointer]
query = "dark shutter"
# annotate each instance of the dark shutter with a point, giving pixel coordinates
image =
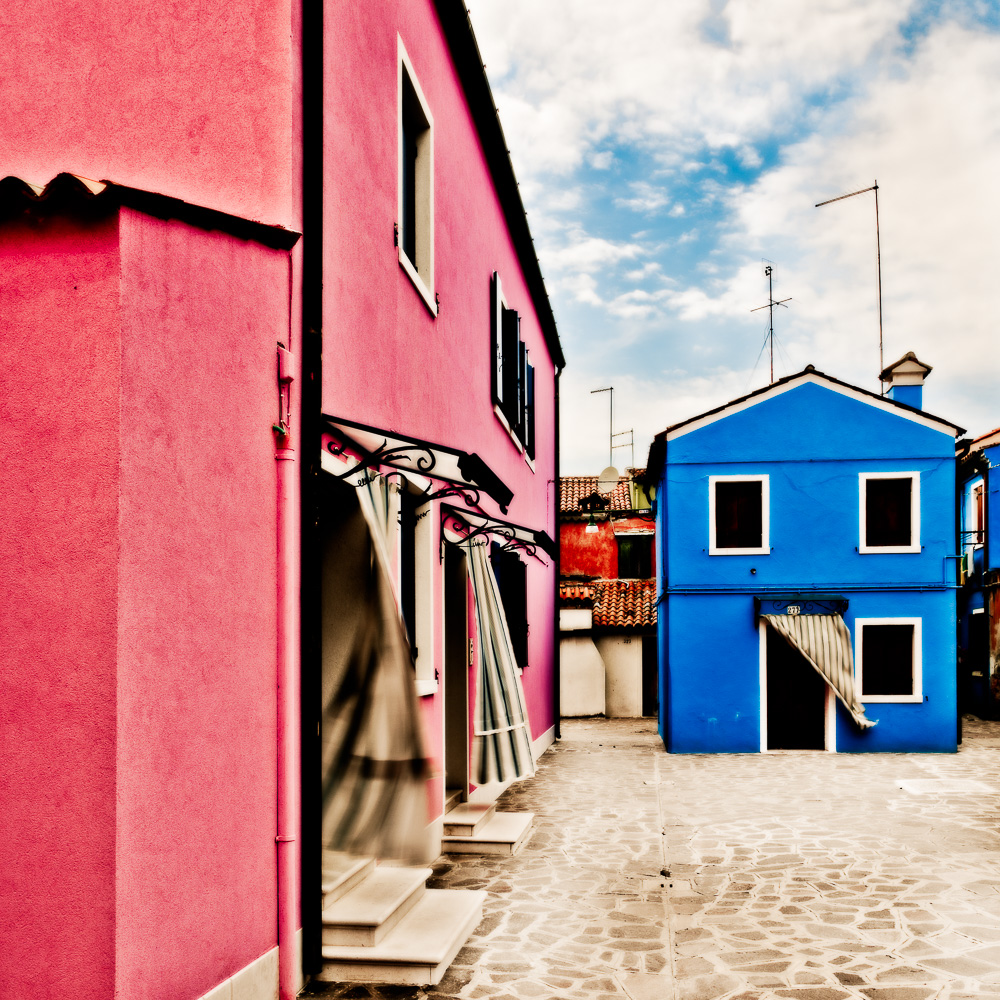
(496, 339)
(509, 345)
(512, 579)
(529, 413)
(522, 388)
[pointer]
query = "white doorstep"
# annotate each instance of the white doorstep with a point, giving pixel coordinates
(418, 950)
(504, 833)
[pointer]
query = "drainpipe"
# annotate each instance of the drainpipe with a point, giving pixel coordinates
(310, 444)
(288, 742)
(556, 651)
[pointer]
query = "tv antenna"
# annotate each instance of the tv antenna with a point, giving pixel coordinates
(630, 443)
(611, 422)
(878, 266)
(771, 303)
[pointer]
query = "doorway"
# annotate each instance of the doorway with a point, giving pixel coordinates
(456, 674)
(796, 697)
(650, 668)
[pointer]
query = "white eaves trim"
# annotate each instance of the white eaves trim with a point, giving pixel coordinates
(886, 405)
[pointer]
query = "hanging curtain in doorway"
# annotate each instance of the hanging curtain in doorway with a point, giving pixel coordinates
(374, 764)
(502, 747)
(825, 642)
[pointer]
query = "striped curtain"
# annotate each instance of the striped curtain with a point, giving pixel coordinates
(502, 747)
(825, 642)
(375, 767)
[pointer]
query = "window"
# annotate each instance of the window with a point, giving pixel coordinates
(889, 512)
(888, 659)
(635, 557)
(513, 379)
(415, 225)
(738, 515)
(511, 575)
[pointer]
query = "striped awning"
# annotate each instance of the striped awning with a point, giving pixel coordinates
(501, 750)
(825, 643)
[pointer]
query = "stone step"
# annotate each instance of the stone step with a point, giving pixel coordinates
(418, 950)
(467, 817)
(504, 833)
(370, 910)
(341, 873)
(452, 797)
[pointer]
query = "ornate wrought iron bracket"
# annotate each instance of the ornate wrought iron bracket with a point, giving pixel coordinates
(421, 459)
(511, 536)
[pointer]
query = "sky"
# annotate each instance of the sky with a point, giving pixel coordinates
(667, 152)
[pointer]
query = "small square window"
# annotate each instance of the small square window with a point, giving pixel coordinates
(738, 515)
(416, 183)
(890, 512)
(635, 557)
(888, 660)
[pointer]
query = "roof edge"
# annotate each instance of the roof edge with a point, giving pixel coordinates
(468, 61)
(67, 189)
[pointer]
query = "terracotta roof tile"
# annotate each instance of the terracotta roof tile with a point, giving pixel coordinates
(616, 603)
(573, 489)
(573, 594)
(624, 603)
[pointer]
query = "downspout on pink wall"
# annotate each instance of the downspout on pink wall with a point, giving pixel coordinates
(288, 721)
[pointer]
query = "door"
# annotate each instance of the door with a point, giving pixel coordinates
(796, 698)
(456, 672)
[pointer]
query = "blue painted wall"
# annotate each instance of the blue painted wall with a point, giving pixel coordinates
(812, 441)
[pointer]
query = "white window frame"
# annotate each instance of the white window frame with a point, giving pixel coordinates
(423, 280)
(918, 673)
(765, 515)
(863, 546)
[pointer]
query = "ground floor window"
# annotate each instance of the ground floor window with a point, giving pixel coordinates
(888, 659)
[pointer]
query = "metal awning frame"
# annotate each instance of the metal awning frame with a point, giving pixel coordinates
(463, 474)
(469, 524)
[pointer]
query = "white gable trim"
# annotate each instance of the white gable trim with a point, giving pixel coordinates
(923, 419)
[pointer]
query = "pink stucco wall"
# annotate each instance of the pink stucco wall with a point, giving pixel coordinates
(190, 98)
(426, 376)
(59, 304)
(138, 690)
(202, 313)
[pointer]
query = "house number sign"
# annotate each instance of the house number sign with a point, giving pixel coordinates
(793, 609)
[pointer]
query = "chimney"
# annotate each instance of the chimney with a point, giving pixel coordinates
(906, 380)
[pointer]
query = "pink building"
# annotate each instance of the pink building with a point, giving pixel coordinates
(281, 393)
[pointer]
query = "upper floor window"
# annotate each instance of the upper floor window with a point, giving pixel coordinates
(738, 515)
(888, 659)
(889, 511)
(415, 225)
(635, 556)
(513, 378)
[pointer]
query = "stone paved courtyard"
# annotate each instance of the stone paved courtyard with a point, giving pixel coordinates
(746, 877)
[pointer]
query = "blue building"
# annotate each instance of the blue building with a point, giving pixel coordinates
(806, 570)
(979, 576)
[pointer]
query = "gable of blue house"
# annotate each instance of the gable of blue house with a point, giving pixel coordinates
(800, 463)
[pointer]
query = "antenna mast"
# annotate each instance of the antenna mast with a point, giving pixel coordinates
(611, 422)
(768, 272)
(878, 266)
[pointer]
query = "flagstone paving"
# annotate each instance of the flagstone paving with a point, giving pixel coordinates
(746, 877)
